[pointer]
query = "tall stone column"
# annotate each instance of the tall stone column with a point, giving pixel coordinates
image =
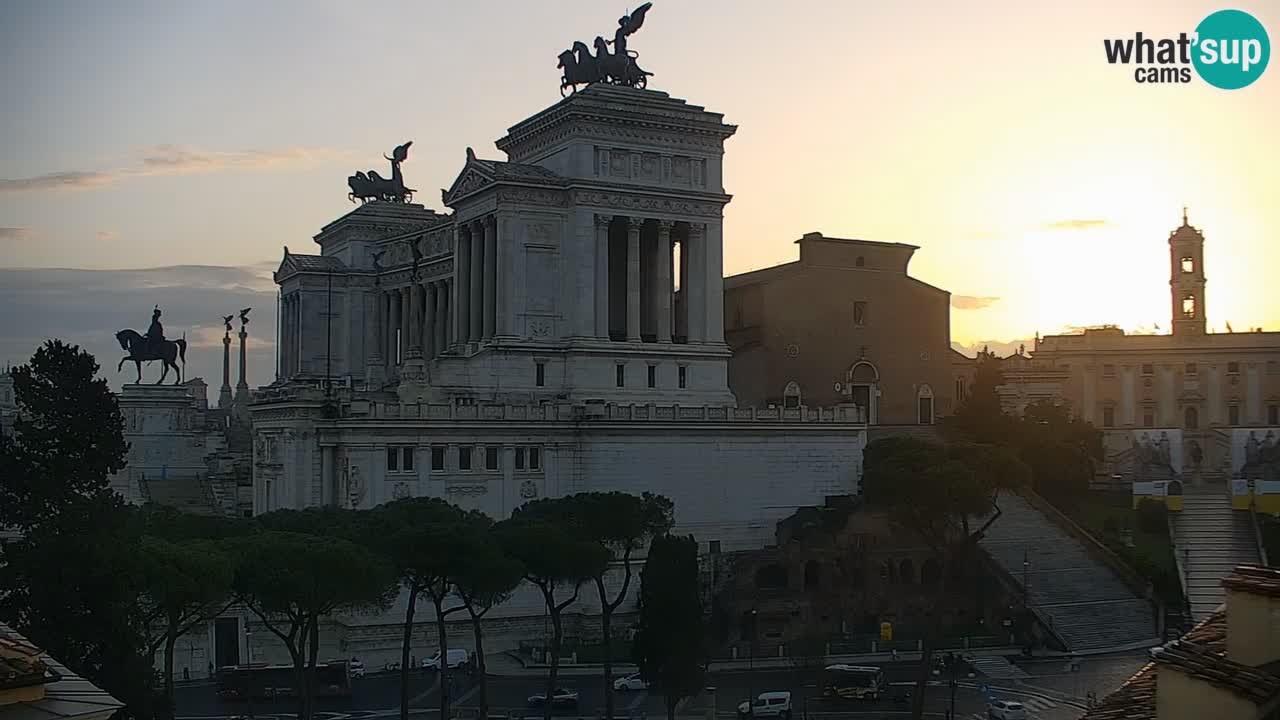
(475, 326)
(224, 395)
(490, 319)
(444, 326)
(328, 475)
(429, 340)
(695, 294)
(662, 298)
(406, 308)
(296, 345)
(393, 299)
(242, 386)
(286, 323)
(682, 309)
(374, 363)
(602, 276)
(415, 319)
(462, 285)
(633, 278)
(389, 327)
(713, 257)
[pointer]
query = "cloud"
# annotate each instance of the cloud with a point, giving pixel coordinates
(87, 307)
(1077, 224)
(107, 235)
(972, 302)
(13, 233)
(173, 160)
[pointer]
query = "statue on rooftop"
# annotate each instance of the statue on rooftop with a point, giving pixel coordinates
(372, 186)
(617, 68)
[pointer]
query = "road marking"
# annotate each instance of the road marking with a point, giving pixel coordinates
(466, 695)
(637, 701)
(423, 695)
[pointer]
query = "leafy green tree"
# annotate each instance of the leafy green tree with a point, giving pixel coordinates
(979, 417)
(291, 580)
(554, 558)
(185, 584)
(946, 494)
(670, 641)
(487, 579)
(426, 541)
(621, 524)
(68, 437)
(70, 581)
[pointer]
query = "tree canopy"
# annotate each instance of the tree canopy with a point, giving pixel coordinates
(670, 640)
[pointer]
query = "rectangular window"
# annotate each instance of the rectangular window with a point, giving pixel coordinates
(684, 376)
(393, 459)
(1273, 414)
(1233, 414)
(1188, 264)
(519, 458)
(1189, 306)
(437, 458)
(1148, 369)
(859, 313)
(540, 374)
(535, 458)
(1192, 369)
(1108, 416)
(1109, 371)
(1148, 419)
(653, 376)
(464, 457)
(491, 458)
(1233, 367)
(407, 464)
(620, 375)
(925, 411)
(713, 547)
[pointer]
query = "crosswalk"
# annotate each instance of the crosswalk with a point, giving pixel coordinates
(1035, 706)
(998, 667)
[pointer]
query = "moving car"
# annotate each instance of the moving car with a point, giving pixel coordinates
(562, 697)
(844, 682)
(630, 682)
(356, 668)
(458, 657)
(768, 704)
(1006, 710)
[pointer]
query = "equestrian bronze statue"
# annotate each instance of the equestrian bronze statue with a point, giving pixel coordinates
(153, 346)
(617, 68)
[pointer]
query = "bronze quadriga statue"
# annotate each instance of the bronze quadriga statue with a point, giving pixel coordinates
(372, 186)
(580, 67)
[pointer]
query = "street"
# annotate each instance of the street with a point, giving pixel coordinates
(378, 696)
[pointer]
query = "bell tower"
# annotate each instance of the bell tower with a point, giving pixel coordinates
(1186, 279)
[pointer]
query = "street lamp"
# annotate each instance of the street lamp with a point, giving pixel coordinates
(751, 654)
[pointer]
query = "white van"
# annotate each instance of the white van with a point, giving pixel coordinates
(769, 704)
(458, 657)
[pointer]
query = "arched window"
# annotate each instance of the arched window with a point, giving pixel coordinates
(888, 572)
(906, 572)
(1192, 417)
(812, 575)
(791, 395)
(924, 405)
(771, 577)
(864, 381)
(929, 572)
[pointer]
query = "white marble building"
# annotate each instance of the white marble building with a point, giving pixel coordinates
(560, 331)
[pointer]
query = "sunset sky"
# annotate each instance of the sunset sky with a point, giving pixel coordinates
(1040, 182)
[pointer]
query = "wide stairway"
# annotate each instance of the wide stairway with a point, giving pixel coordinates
(184, 494)
(1079, 597)
(1210, 540)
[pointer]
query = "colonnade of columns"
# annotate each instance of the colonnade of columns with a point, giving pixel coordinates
(476, 268)
(412, 321)
(290, 334)
(637, 268)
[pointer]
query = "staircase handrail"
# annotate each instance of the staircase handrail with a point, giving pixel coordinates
(1257, 531)
(1136, 584)
(1011, 583)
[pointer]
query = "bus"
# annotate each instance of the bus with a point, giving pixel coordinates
(849, 682)
(261, 681)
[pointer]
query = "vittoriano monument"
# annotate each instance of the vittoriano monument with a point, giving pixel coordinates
(618, 68)
(375, 187)
(153, 346)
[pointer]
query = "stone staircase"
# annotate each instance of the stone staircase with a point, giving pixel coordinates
(1079, 597)
(1210, 540)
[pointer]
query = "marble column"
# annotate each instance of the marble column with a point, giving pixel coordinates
(713, 290)
(662, 298)
(695, 291)
(430, 342)
(633, 278)
(393, 357)
(682, 309)
(296, 348)
(373, 361)
(490, 316)
(475, 324)
(462, 286)
(328, 474)
(406, 310)
(602, 276)
(444, 324)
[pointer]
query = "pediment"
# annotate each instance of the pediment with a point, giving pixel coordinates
(473, 178)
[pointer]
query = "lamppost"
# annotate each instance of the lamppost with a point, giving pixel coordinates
(248, 673)
(751, 654)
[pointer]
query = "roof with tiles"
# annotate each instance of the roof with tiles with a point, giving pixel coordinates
(1254, 579)
(66, 695)
(317, 263)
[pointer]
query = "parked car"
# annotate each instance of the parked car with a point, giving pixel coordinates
(562, 697)
(630, 682)
(768, 704)
(1006, 710)
(356, 668)
(458, 657)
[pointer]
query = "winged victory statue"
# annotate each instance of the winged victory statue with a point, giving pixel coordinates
(619, 67)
